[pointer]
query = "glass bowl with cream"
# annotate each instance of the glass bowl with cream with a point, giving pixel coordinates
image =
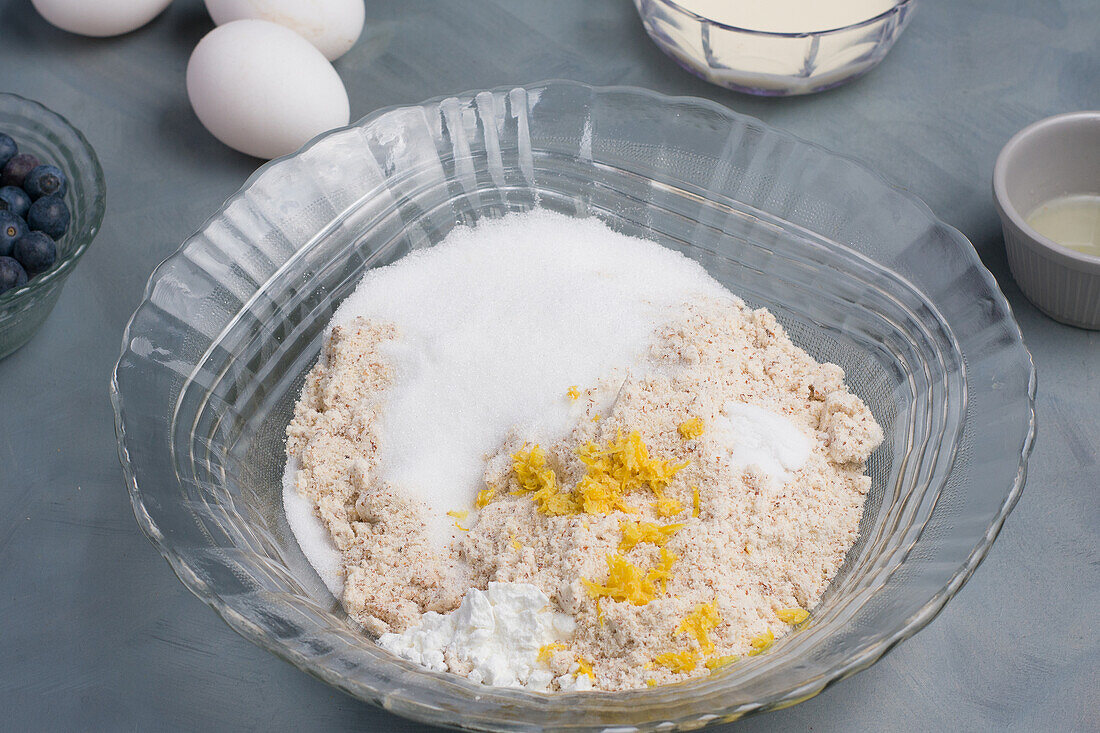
(776, 48)
(857, 272)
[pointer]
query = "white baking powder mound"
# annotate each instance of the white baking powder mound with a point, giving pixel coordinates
(495, 324)
(755, 437)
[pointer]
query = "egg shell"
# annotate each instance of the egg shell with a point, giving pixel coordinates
(333, 26)
(99, 17)
(262, 89)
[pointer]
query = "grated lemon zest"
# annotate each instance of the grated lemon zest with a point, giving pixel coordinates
(666, 506)
(530, 469)
(651, 682)
(667, 558)
(634, 533)
(515, 543)
(627, 462)
(621, 466)
(695, 501)
(699, 623)
(585, 667)
(459, 515)
(761, 642)
(547, 650)
(792, 616)
(597, 496)
(538, 480)
(678, 661)
(692, 428)
(574, 392)
(596, 417)
(627, 582)
(484, 497)
(718, 662)
(663, 571)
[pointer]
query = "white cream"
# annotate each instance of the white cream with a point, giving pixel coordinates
(754, 437)
(496, 632)
(789, 16)
(768, 62)
(1071, 221)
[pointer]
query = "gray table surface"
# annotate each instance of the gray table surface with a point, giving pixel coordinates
(97, 634)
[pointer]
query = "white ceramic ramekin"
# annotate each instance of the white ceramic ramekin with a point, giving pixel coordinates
(1054, 157)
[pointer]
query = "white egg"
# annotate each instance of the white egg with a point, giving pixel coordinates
(333, 26)
(262, 89)
(99, 17)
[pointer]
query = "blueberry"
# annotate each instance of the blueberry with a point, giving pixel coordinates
(49, 214)
(16, 169)
(35, 252)
(8, 149)
(11, 229)
(15, 200)
(45, 180)
(12, 274)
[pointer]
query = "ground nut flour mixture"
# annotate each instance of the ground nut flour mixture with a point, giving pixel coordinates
(544, 454)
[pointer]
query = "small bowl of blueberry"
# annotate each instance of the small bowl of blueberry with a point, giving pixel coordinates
(52, 197)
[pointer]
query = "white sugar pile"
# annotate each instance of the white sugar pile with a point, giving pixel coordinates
(314, 539)
(762, 439)
(495, 324)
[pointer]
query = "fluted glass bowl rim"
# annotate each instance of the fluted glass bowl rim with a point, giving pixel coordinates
(868, 654)
(702, 19)
(82, 239)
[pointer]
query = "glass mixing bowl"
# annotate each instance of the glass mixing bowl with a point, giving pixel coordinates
(860, 273)
(52, 139)
(770, 63)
